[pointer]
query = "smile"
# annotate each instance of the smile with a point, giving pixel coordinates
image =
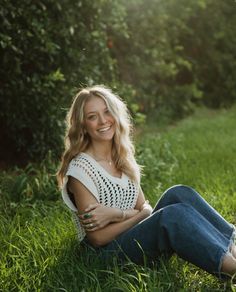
(104, 129)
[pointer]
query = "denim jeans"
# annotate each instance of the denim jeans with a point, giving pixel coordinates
(182, 222)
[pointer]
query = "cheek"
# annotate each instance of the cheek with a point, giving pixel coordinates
(89, 126)
(112, 120)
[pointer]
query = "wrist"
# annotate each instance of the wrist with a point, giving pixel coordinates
(146, 205)
(124, 215)
(121, 215)
(146, 212)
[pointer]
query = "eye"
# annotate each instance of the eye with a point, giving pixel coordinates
(91, 117)
(107, 112)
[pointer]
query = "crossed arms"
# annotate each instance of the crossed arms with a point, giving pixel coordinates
(107, 222)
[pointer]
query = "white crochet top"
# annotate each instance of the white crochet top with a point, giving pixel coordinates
(108, 190)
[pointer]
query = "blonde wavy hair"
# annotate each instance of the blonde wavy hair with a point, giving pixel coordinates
(77, 140)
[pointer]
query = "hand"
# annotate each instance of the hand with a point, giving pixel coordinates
(97, 216)
(146, 207)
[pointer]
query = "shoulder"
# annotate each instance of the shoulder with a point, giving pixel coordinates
(77, 162)
(80, 163)
(82, 170)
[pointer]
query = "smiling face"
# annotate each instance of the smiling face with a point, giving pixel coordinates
(98, 121)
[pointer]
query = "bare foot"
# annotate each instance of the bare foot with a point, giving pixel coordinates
(233, 250)
(229, 264)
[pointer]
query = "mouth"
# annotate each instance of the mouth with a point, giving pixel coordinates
(105, 129)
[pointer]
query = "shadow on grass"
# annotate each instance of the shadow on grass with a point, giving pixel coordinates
(76, 269)
(80, 269)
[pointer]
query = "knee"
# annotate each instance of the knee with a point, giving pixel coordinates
(176, 214)
(178, 192)
(177, 189)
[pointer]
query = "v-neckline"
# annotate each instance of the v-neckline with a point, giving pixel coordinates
(121, 180)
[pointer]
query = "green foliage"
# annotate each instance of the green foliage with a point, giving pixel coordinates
(47, 49)
(179, 53)
(31, 79)
(162, 57)
(199, 152)
(27, 186)
(30, 245)
(38, 246)
(159, 163)
(208, 44)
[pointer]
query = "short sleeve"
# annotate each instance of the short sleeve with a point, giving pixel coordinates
(79, 170)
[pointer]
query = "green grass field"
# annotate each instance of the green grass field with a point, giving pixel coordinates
(38, 246)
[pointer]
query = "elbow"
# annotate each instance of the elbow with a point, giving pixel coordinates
(98, 243)
(96, 240)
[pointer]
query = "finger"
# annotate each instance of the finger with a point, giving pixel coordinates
(91, 207)
(87, 222)
(87, 216)
(93, 229)
(90, 226)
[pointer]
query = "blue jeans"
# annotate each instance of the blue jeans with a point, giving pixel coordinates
(182, 222)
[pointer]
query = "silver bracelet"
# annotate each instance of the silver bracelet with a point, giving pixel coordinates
(123, 215)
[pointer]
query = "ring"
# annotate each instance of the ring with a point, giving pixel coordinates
(87, 216)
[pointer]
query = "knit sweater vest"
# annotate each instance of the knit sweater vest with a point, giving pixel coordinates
(108, 190)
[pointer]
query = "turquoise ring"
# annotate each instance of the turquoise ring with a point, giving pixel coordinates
(87, 216)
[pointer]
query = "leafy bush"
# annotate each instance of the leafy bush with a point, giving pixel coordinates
(49, 49)
(29, 185)
(179, 53)
(155, 155)
(162, 57)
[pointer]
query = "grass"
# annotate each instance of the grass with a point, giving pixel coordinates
(38, 246)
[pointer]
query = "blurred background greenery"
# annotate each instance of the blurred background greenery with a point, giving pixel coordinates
(169, 59)
(163, 57)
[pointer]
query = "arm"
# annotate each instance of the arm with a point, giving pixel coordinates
(142, 203)
(105, 235)
(87, 204)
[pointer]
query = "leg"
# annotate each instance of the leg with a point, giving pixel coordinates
(185, 194)
(176, 228)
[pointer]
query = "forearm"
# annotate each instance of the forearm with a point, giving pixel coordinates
(104, 235)
(116, 215)
(100, 215)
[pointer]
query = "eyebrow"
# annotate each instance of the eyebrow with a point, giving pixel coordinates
(94, 112)
(90, 113)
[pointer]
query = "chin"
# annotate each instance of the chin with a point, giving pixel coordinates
(105, 138)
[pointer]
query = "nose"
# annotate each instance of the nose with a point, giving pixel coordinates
(102, 119)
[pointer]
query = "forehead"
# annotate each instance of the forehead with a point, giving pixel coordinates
(94, 104)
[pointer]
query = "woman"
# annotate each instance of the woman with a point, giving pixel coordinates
(100, 182)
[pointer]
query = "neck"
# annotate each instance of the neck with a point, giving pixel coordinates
(101, 150)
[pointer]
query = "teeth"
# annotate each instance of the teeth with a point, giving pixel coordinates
(104, 129)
